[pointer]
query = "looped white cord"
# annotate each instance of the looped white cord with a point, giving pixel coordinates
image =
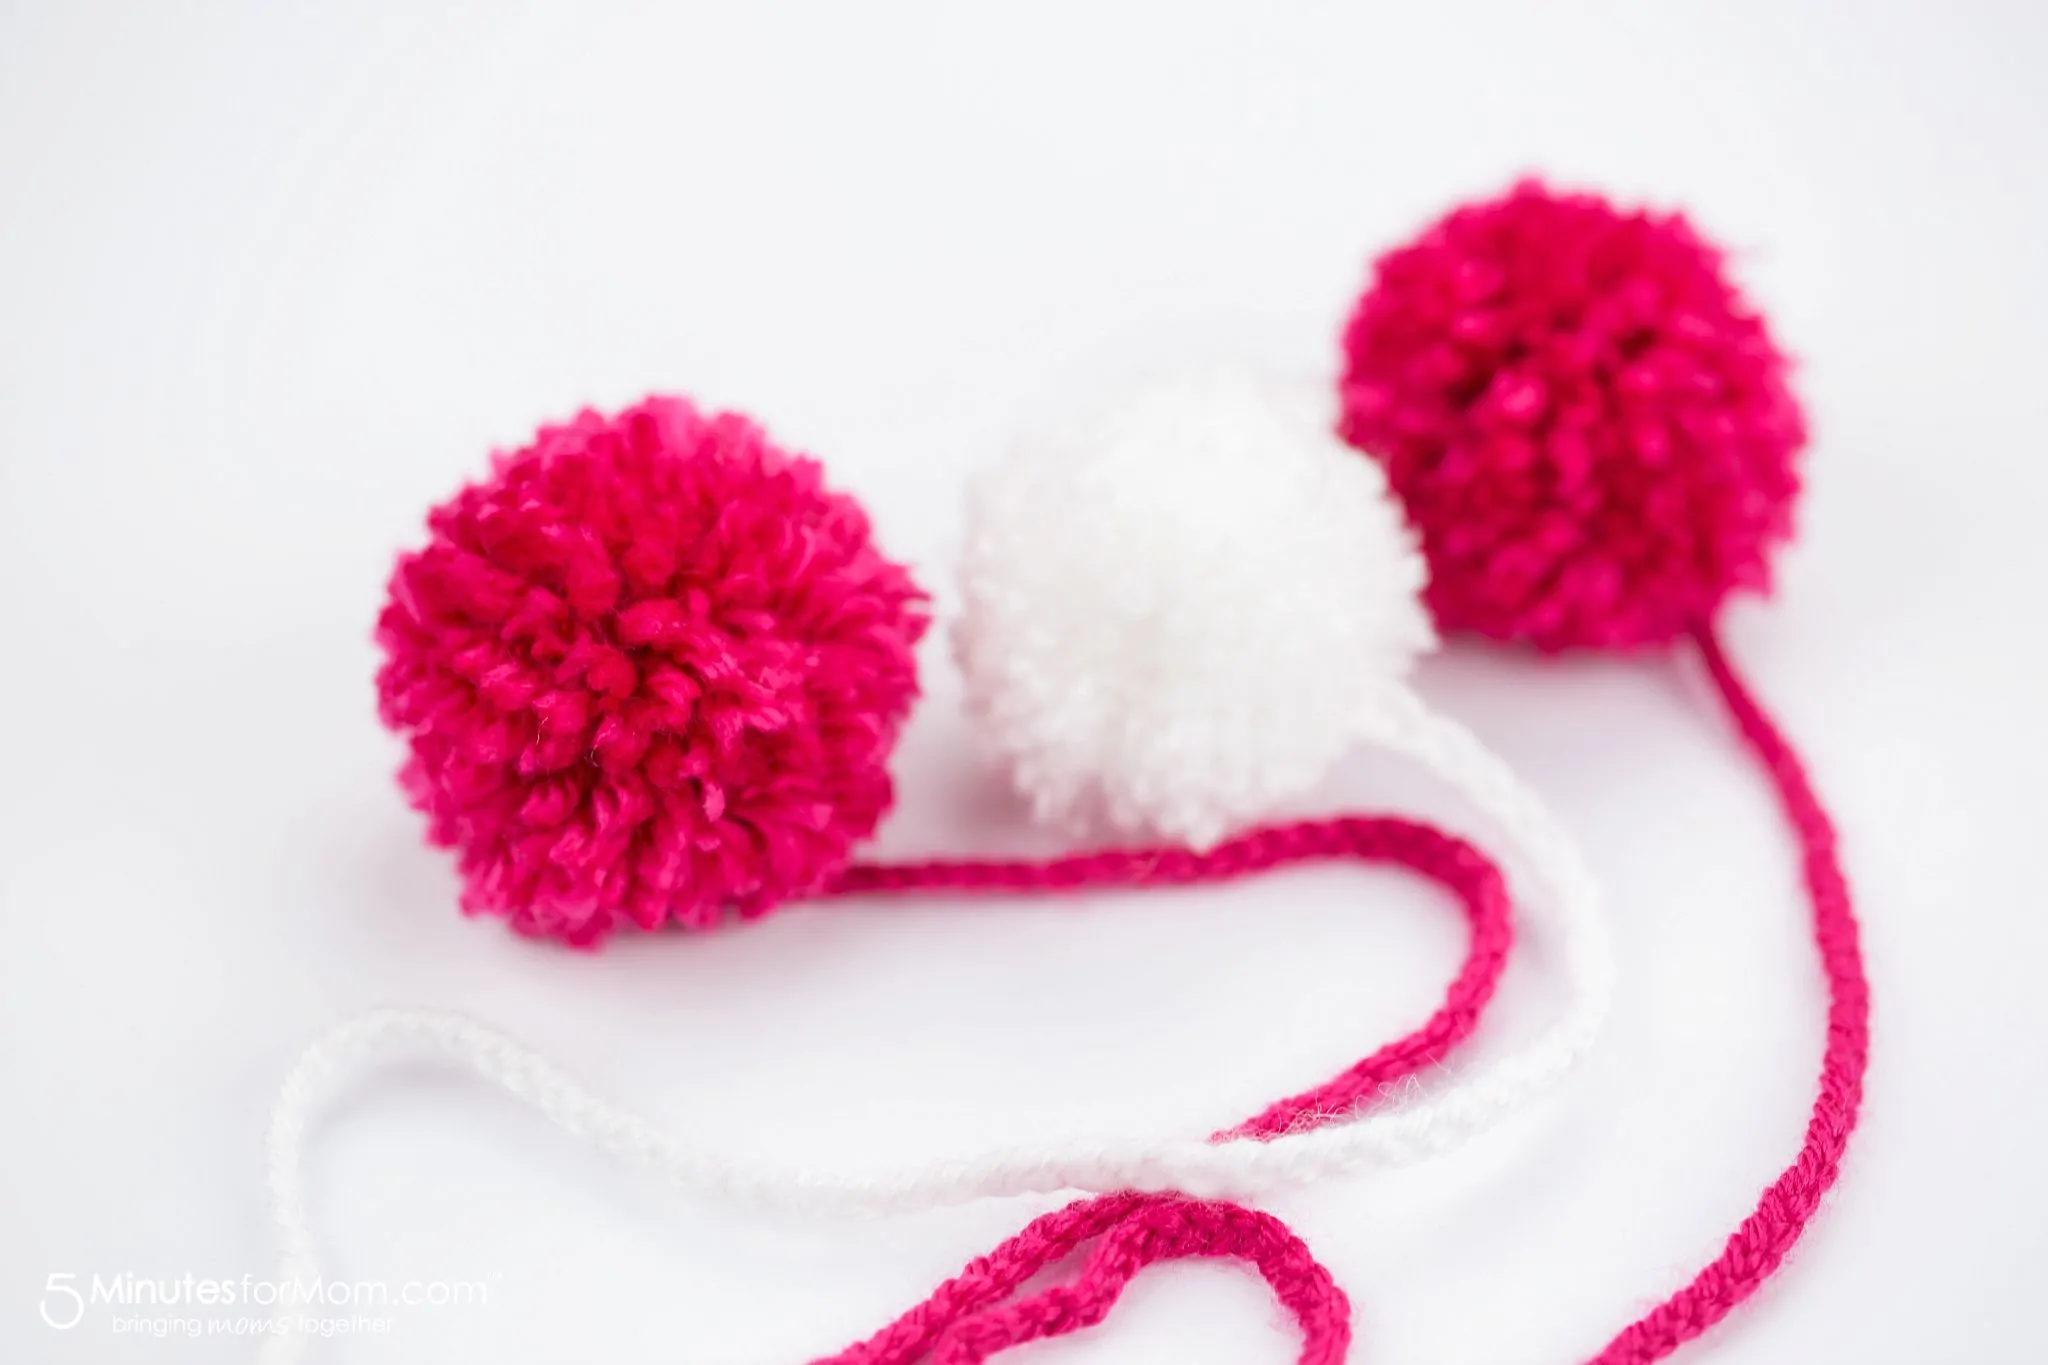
(1563, 888)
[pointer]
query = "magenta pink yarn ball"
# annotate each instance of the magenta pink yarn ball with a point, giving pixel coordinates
(1590, 428)
(650, 671)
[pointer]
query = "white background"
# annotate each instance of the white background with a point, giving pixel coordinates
(274, 278)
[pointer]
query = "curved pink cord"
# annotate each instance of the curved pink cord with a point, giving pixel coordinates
(1449, 861)
(966, 1319)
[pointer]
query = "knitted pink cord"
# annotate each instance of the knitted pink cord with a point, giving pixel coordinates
(1379, 839)
(1757, 1247)
(965, 1320)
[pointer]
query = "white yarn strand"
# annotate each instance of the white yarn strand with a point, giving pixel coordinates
(1563, 889)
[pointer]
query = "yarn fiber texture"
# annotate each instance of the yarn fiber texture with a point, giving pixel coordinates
(1140, 1228)
(1755, 1250)
(1587, 423)
(1178, 606)
(974, 1315)
(649, 672)
(977, 1314)
(1595, 436)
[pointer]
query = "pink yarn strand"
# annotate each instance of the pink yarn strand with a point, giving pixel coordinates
(1756, 1249)
(973, 1315)
(966, 1320)
(1383, 839)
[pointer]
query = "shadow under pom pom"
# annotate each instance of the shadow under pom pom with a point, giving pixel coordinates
(650, 671)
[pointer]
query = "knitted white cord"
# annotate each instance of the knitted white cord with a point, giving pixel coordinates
(1562, 890)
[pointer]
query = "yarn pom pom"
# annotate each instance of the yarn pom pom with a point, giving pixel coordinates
(1588, 425)
(1181, 611)
(649, 671)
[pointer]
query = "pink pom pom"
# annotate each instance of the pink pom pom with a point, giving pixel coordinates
(1589, 427)
(650, 670)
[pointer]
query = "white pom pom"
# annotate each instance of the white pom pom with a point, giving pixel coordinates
(1181, 611)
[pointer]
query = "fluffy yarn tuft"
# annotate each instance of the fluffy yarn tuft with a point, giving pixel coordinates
(1180, 611)
(1589, 426)
(649, 671)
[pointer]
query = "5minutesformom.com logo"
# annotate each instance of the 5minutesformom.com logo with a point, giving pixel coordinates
(68, 1298)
